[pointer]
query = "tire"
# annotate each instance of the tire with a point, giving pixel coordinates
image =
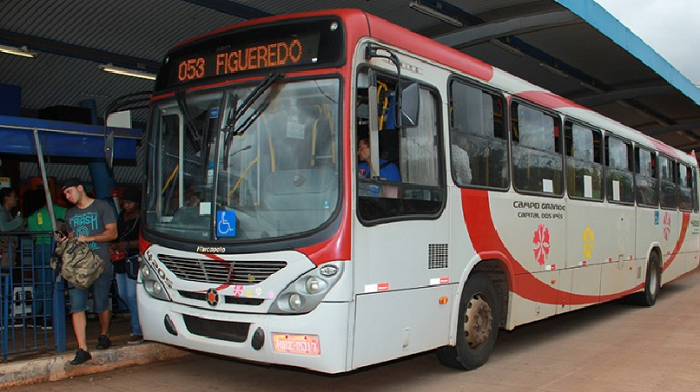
(477, 326)
(653, 282)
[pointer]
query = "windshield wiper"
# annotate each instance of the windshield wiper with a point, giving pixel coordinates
(238, 111)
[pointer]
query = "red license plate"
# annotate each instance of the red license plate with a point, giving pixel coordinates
(296, 344)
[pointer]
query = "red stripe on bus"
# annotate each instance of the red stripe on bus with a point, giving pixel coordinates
(423, 46)
(217, 258)
(679, 243)
(549, 100)
(486, 241)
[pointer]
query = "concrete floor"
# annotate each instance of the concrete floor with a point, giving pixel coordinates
(612, 347)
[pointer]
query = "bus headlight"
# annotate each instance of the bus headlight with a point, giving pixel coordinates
(295, 301)
(313, 285)
(305, 293)
(152, 283)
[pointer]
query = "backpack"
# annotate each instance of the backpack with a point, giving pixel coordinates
(77, 263)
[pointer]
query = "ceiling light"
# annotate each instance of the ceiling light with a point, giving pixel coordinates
(435, 13)
(592, 88)
(554, 70)
(17, 51)
(507, 47)
(624, 103)
(127, 72)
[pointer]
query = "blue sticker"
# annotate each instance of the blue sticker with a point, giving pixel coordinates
(214, 113)
(226, 223)
(656, 218)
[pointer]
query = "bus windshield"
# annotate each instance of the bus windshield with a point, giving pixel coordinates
(244, 163)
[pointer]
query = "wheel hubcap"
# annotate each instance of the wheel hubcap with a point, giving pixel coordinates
(653, 283)
(477, 321)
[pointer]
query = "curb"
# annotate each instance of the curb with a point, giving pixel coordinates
(57, 367)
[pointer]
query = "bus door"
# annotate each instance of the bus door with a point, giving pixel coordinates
(620, 217)
(400, 234)
(588, 217)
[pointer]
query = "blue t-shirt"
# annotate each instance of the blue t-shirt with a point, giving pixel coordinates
(387, 170)
(91, 221)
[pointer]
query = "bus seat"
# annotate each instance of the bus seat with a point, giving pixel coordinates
(304, 189)
(300, 199)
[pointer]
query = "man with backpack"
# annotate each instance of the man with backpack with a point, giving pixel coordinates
(93, 222)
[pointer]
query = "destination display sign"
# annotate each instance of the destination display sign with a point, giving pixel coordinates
(302, 44)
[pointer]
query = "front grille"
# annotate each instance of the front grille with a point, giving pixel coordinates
(229, 299)
(221, 271)
(214, 329)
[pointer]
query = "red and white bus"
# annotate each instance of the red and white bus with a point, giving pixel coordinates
(265, 239)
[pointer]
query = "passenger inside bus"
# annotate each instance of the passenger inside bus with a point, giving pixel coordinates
(461, 166)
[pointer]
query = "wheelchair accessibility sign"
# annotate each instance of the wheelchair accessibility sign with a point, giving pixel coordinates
(226, 223)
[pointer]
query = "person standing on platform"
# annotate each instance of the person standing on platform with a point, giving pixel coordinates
(93, 222)
(8, 201)
(40, 220)
(125, 253)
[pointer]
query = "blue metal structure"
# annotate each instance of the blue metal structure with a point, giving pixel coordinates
(598, 17)
(63, 139)
(32, 303)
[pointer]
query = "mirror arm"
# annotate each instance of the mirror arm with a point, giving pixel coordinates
(372, 52)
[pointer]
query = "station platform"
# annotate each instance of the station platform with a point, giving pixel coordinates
(42, 366)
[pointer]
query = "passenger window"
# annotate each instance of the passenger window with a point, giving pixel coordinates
(478, 144)
(537, 158)
(409, 181)
(646, 178)
(695, 189)
(667, 177)
(685, 187)
(619, 179)
(584, 167)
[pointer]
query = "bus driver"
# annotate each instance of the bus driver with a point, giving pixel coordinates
(387, 170)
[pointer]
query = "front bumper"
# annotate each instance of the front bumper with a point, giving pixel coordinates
(231, 333)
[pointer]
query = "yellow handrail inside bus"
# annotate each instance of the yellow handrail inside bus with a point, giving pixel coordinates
(170, 179)
(245, 173)
(272, 155)
(381, 86)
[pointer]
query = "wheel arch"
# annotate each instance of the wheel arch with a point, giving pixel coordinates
(655, 248)
(496, 271)
(494, 266)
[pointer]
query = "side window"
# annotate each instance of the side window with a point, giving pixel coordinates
(537, 158)
(685, 187)
(667, 179)
(584, 167)
(478, 144)
(619, 179)
(695, 189)
(646, 178)
(409, 180)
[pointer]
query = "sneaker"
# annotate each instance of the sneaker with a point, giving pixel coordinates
(103, 342)
(81, 356)
(135, 339)
(43, 324)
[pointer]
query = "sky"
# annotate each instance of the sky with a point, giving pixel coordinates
(668, 26)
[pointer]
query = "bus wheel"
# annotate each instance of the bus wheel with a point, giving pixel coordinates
(477, 326)
(653, 282)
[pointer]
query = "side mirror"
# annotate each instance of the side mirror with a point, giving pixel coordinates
(109, 148)
(409, 106)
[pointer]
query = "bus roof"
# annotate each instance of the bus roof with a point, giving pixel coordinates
(450, 58)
